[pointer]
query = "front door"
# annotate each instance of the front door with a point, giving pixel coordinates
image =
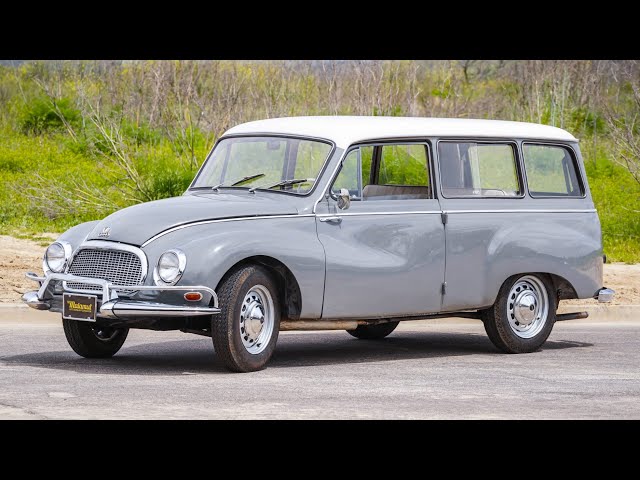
(385, 253)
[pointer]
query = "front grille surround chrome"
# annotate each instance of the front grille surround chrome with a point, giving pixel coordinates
(106, 251)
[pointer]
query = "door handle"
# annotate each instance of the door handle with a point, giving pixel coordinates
(335, 220)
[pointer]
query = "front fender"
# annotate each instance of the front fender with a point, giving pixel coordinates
(213, 249)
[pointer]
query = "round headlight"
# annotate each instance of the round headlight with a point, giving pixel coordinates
(56, 256)
(170, 267)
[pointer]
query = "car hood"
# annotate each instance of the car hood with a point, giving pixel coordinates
(137, 224)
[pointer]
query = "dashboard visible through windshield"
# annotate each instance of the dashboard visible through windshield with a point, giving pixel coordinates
(262, 162)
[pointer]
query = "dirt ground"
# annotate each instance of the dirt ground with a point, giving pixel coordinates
(18, 256)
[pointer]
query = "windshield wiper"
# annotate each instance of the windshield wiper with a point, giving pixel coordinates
(238, 182)
(283, 183)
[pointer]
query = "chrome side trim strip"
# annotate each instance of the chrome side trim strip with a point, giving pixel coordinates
(221, 220)
(524, 210)
(439, 212)
(361, 214)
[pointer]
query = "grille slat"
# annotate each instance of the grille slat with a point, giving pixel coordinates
(117, 266)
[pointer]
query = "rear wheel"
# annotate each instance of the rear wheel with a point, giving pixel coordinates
(245, 332)
(91, 340)
(373, 332)
(524, 313)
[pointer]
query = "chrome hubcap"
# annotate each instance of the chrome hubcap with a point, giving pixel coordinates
(256, 319)
(527, 306)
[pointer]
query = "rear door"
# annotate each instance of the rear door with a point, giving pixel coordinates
(384, 254)
(482, 197)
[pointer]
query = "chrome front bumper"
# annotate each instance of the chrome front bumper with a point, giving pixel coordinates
(111, 306)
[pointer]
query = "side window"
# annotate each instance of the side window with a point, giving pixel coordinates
(400, 173)
(478, 169)
(403, 165)
(551, 171)
(355, 173)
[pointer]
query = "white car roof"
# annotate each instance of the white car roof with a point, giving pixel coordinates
(345, 130)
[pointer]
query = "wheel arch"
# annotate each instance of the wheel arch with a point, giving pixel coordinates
(563, 287)
(289, 292)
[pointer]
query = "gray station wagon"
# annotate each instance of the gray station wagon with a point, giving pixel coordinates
(351, 223)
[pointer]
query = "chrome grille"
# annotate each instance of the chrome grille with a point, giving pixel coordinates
(117, 266)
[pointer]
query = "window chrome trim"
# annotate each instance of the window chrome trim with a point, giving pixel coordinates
(386, 143)
(431, 159)
(221, 220)
(577, 164)
(113, 246)
(516, 158)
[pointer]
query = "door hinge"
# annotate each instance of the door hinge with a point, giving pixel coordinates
(445, 218)
(444, 288)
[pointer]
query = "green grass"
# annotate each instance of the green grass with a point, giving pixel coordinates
(67, 122)
(617, 197)
(22, 157)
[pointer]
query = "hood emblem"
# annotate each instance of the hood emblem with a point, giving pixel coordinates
(106, 231)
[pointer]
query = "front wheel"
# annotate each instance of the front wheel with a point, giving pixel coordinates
(523, 315)
(245, 331)
(91, 340)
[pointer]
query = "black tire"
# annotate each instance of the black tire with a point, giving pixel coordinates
(90, 340)
(373, 332)
(496, 318)
(225, 326)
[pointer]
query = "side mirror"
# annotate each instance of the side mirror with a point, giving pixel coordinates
(344, 199)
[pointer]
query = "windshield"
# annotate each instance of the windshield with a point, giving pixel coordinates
(262, 162)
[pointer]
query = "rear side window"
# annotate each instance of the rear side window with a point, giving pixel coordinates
(478, 170)
(551, 171)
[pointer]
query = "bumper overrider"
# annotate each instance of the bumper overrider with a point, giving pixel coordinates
(111, 306)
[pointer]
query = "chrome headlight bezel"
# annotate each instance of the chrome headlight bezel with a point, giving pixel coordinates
(180, 263)
(67, 251)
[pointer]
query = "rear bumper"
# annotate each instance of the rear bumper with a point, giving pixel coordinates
(113, 307)
(605, 295)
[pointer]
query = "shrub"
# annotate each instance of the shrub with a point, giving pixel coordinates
(42, 114)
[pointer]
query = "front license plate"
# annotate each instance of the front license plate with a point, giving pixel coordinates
(79, 307)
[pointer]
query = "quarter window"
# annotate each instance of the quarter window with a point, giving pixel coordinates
(355, 173)
(478, 169)
(551, 171)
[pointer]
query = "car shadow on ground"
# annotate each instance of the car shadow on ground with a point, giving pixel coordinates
(196, 356)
